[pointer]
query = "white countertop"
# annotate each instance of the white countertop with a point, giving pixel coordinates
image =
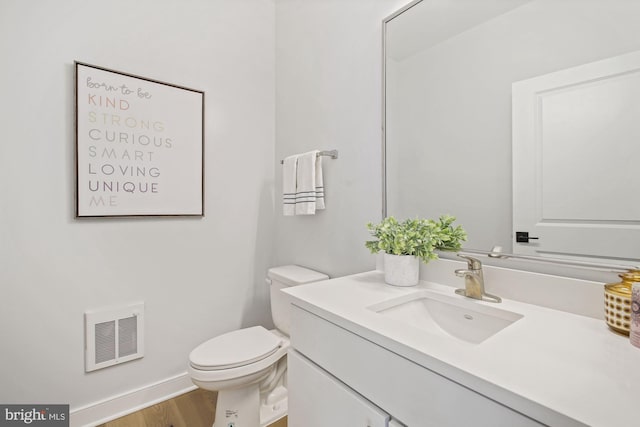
(556, 367)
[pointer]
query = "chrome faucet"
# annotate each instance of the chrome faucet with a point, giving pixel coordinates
(474, 281)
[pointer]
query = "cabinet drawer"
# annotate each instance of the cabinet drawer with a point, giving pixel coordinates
(317, 399)
(410, 392)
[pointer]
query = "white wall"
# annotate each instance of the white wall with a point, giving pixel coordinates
(328, 95)
(198, 277)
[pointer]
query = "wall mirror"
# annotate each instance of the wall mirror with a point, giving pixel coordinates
(518, 116)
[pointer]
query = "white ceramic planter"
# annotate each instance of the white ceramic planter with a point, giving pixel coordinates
(401, 270)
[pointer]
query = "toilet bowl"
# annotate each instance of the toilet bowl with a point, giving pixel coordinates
(247, 367)
(244, 367)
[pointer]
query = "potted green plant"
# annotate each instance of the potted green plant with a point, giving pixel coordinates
(407, 243)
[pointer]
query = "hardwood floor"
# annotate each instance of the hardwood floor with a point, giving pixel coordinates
(194, 409)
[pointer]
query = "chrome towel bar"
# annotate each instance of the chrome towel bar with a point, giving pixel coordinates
(331, 153)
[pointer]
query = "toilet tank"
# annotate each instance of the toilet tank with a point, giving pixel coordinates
(284, 277)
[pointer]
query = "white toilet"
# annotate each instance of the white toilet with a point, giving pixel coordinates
(248, 367)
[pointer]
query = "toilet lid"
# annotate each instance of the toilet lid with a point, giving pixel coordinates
(234, 349)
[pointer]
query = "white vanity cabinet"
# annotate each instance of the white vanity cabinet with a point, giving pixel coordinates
(378, 382)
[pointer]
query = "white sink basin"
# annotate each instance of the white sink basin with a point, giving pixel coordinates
(459, 317)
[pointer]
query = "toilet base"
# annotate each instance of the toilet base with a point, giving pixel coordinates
(274, 406)
(237, 407)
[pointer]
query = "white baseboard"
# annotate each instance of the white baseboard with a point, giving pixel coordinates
(129, 402)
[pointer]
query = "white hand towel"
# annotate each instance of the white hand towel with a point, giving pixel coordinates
(289, 168)
(319, 184)
(306, 183)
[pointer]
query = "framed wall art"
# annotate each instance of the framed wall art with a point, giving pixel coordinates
(139, 146)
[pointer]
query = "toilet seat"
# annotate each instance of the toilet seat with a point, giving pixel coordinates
(269, 347)
(234, 349)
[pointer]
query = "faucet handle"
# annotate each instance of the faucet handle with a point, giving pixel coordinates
(472, 263)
